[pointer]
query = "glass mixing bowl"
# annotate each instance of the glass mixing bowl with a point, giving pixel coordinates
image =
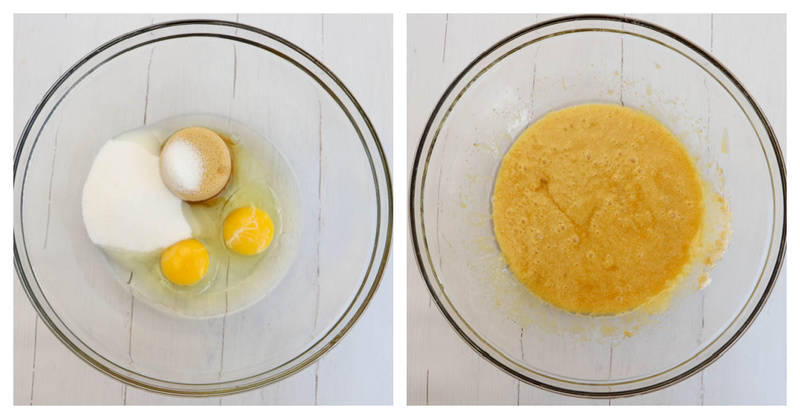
(564, 62)
(278, 91)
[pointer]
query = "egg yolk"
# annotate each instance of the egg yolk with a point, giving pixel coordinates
(185, 262)
(248, 230)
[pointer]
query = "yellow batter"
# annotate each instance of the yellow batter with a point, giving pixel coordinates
(596, 208)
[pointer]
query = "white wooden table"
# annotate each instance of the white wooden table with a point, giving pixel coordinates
(359, 369)
(442, 369)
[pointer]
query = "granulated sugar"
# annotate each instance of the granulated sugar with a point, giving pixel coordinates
(125, 204)
(183, 166)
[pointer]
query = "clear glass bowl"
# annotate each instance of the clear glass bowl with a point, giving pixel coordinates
(564, 62)
(280, 92)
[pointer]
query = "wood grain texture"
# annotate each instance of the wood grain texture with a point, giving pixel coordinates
(441, 367)
(358, 370)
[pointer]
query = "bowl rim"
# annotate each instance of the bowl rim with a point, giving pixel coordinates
(414, 222)
(364, 293)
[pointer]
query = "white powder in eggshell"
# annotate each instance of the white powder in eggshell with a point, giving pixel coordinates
(183, 165)
(125, 203)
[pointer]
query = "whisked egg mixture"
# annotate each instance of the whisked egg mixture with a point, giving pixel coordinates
(240, 243)
(598, 209)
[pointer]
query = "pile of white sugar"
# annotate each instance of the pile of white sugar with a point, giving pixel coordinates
(183, 166)
(125, 204)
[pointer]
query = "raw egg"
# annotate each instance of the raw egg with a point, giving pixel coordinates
(248, 230)
(185, 262)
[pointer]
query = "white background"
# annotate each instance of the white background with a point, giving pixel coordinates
(359, 369)
(442, 369)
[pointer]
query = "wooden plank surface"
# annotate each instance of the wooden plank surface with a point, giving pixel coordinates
(441, 368)
(358, 370)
